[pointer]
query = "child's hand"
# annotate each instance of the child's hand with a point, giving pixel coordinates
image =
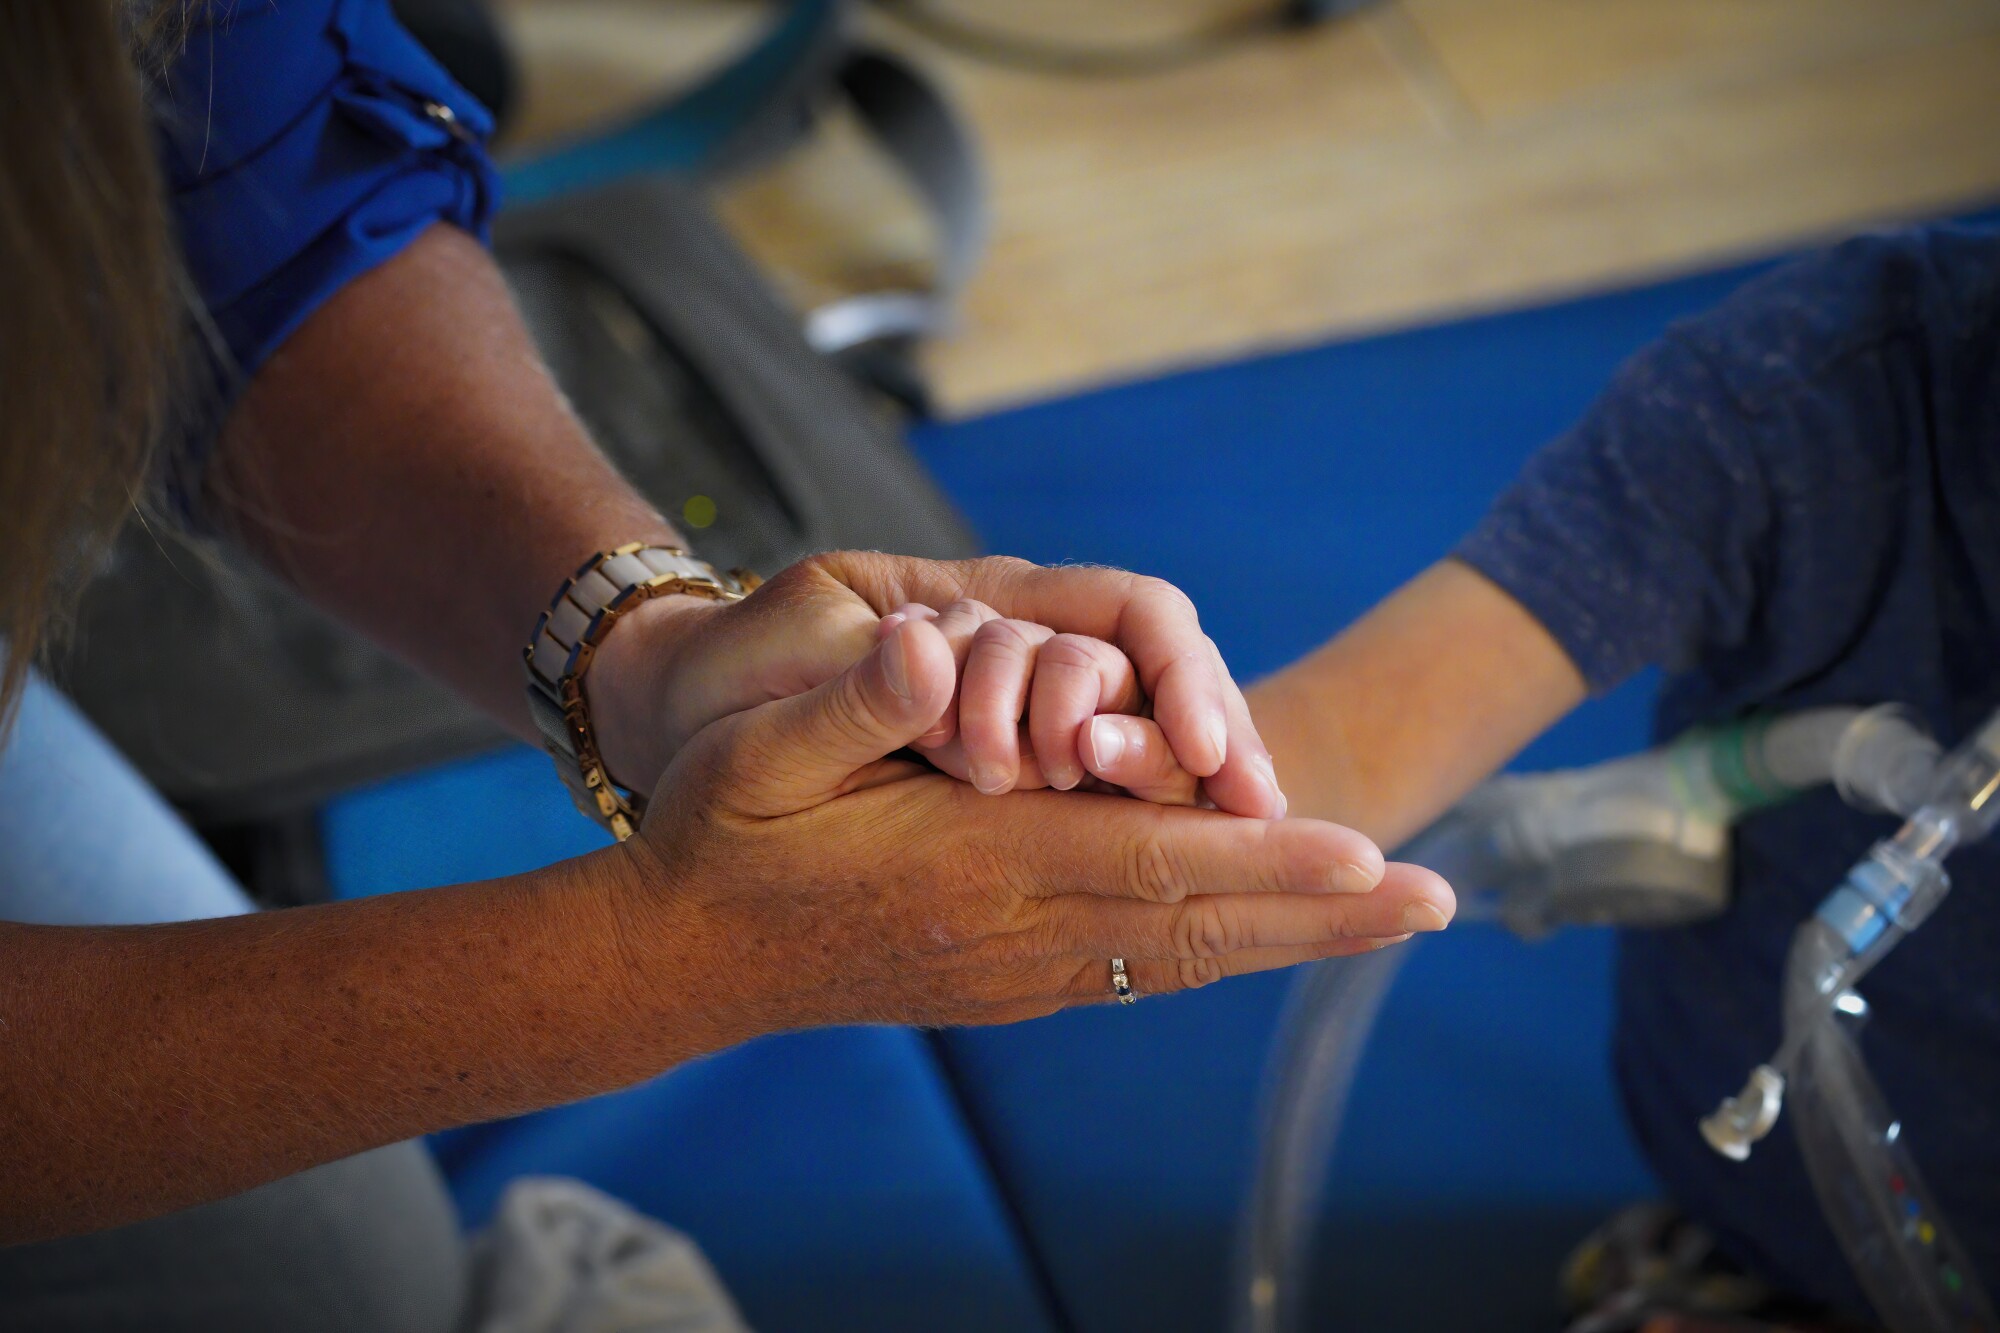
(1028, 702)
(1131, 754)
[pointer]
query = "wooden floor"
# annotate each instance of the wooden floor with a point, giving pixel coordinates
(1427, 158)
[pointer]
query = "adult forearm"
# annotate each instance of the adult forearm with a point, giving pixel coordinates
(147, 1068)
(1414, 704)
(407, 461)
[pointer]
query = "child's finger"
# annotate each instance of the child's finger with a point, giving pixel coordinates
(950, 760)
(993, 695)
(1131, 752)
(958, 622)
(907, 611)
(1076, 677)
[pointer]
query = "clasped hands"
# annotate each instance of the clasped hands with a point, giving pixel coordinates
(803, 868)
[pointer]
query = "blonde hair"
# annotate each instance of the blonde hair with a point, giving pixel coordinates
(88, 302)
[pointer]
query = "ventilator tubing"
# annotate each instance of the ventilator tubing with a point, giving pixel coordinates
(1637, 841)
(1911, 1265)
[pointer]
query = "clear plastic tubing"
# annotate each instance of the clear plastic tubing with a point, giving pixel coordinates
(1876, 757)
(1905, 1256)
(1321, 1035)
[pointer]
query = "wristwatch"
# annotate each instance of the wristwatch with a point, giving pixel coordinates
(565, 640)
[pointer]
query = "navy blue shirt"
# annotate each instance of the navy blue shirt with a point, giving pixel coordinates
(1795, 500)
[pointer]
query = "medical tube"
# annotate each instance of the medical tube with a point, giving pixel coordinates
(1877, 758)
(1503, 847)
(1317, 1048)
(1906, 1258)
(1915, 1271)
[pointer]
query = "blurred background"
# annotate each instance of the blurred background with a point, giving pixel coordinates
(1415, 160)
(1272, 301)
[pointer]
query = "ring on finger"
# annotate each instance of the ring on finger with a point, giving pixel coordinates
(1121, 985)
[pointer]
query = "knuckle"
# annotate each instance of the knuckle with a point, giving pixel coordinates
(1342, 927)
(1205, 928)
(1071, 652)
(1155, 871)
(851, 711)
(1007, 566)
(724, 751)
(1166, 595)
(1007, 638)
(807, 569)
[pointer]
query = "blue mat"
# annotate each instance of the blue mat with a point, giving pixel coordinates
(886, 1181)
(829, 1175)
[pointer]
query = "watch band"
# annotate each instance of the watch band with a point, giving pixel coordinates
(566, 639)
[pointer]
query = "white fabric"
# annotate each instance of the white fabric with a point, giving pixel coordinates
(562, 1257)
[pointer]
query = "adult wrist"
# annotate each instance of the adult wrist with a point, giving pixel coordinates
(663, 955)
(606, 589)
(636, 689)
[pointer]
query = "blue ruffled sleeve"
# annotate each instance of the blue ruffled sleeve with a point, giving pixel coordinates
(303, 143)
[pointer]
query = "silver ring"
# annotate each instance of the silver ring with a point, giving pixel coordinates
(1121, 985)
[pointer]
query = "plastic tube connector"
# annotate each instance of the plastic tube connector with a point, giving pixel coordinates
(1747, 1117)
(1885, 761)
(1887, 890)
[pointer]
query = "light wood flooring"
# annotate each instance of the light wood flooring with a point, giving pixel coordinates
(1426, 158)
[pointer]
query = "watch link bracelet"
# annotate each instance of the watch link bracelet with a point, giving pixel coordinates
(566, 638)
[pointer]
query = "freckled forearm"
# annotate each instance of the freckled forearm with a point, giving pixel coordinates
(409, 464)
(148, 1068)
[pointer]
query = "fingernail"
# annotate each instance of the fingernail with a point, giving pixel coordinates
(990, 779)
(1422, 916)
(1393, 939)
(1063, 781)
(889, 623)
(1106, 743)
(896, 666)
(1354, 877)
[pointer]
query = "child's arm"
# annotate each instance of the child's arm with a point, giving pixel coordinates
(1394, 719)
(1414, 704)
(1738, 507)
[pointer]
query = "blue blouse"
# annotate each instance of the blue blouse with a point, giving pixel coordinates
(304, 142)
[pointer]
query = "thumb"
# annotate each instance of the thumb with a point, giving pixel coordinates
(794, 753)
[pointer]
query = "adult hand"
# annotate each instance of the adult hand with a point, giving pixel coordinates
(681, 664)
(793, 871)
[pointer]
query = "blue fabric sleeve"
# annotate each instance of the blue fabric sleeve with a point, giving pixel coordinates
(1746, 485)
(303, 143)
(1625, 537)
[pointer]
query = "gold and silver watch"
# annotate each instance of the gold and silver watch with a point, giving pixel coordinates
(566, 638)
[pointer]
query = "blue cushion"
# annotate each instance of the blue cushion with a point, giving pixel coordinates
(827, 1174)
